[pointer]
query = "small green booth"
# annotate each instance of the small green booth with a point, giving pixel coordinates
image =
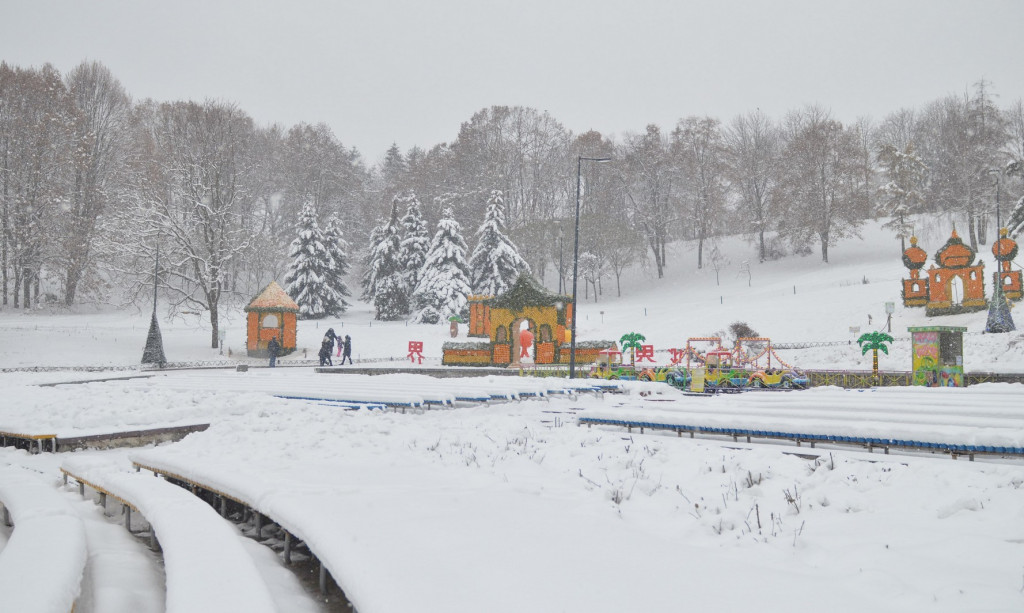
(938, 356)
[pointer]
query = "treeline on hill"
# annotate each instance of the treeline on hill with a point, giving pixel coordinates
(93, 184)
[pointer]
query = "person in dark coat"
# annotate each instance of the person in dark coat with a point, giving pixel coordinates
(346, 349)
(327, 347)
(273, 348)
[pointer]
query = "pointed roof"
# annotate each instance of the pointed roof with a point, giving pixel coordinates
(526, 291)
(954, 254)
(272, 298)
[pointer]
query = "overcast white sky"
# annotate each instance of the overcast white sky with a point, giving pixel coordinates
(411, 71)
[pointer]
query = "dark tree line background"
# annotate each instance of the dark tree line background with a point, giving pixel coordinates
(93, 182)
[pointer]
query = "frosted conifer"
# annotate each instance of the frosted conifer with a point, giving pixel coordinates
(337, 247)
(496, 263)
(384, 280)
(310, 267)
(444, 283)
(415, 241)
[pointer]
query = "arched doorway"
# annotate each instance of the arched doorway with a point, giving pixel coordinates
(956, 290)
(516, 334)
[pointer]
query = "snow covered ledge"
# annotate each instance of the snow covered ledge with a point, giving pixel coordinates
(207, 566)
(42, 565)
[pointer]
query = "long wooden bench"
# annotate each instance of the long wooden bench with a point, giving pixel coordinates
(289, 530)
(41, 567)
(33, 443)
(207, 565)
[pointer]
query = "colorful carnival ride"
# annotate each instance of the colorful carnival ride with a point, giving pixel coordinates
(748, 365)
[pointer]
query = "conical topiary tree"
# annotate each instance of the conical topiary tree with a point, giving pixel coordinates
(495, 263)
(999, 318)
(873, 341)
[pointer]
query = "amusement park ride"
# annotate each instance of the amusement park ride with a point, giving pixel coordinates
(718, 369)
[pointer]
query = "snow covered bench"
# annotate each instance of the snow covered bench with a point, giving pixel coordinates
(292, 529)
(42, 565)
(207, 566)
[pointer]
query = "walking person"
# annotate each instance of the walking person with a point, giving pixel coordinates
(346, 349)
(273, 348)
(327, 347)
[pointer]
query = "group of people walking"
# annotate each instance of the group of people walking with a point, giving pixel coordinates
(327, 347)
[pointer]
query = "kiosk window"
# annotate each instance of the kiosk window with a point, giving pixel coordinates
(951, 347)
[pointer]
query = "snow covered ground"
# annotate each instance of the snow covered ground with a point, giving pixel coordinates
(510, 506)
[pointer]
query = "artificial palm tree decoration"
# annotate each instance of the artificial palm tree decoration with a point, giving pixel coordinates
(874, 341)
(631, 341)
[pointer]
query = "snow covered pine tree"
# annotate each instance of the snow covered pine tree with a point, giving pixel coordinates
(444, 283)
(310, 266)
(384, 279)
(495, 263)
(337, 248)
(415, 241)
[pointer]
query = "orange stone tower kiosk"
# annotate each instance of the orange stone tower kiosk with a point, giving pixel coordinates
(271, 314)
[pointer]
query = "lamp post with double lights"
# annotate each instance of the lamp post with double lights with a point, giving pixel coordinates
(575, 262)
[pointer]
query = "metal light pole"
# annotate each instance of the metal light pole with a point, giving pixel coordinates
(560, 275)
(576, 262)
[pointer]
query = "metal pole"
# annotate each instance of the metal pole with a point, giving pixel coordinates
(560, 275)
(575, 269)
(156, 272)
(575, 263)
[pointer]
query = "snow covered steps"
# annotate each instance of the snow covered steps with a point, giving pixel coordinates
(41, 567)
(207, 566)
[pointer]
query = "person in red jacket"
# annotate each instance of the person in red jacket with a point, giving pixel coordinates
(525, 342)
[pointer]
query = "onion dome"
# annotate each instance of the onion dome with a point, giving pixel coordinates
(1005, 249)
(954, 254)
(914, 257)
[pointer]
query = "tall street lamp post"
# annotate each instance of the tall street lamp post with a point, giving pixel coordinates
(561, 287)
(576, 262)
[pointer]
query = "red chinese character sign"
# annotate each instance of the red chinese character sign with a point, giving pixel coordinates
(415, 351)
(645, 352)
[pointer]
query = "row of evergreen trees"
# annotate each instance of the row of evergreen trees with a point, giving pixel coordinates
(407, 273)
(428, 280)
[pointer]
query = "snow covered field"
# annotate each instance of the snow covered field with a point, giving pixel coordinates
(510, 506)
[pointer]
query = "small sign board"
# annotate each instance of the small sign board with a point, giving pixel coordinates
(890, 307)
(854, 329)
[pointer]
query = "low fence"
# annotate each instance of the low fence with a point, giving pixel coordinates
(856, 379)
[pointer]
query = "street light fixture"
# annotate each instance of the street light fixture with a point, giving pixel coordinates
(576, 261)
(561, 272)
